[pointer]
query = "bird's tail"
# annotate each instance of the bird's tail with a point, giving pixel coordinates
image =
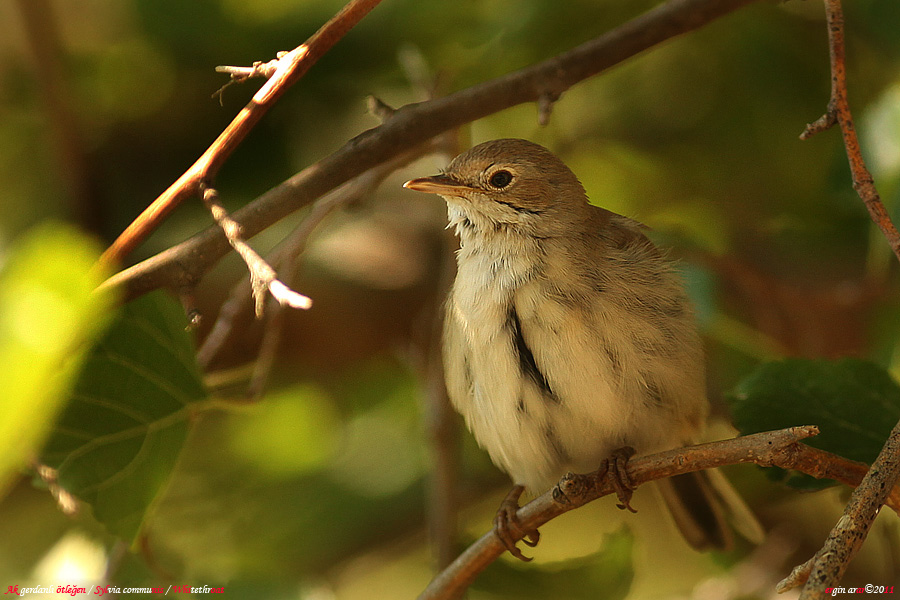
(702, 504)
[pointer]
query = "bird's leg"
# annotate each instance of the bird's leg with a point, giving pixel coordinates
(618, 476)
(507, 528)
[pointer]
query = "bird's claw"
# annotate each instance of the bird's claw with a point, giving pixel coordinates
(618, 476)
(507, 527)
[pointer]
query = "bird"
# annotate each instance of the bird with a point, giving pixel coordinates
(568, 336)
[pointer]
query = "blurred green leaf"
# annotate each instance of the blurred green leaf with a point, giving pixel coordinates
(48, 316)
(120, 435)
(854, 403)
(605, 574)
(293, 431)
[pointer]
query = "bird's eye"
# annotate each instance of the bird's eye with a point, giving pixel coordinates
(500, 179)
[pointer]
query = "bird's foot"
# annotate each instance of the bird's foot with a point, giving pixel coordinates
(617, 474)
(507, 527)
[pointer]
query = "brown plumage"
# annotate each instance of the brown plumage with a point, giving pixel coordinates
(568, 334)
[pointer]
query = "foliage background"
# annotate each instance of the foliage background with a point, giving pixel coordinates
(319, 490)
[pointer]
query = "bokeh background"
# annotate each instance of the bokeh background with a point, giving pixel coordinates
(320, 489)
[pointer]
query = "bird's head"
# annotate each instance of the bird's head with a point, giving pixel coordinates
(510, 182)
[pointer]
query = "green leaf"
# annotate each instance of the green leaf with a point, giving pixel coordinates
(49, 316)
(854, 403)
(121, 434)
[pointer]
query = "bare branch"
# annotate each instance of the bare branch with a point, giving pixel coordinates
(772, 448)
(262, 276)
(242, 74)
(291, 66)
(295, 243)
(827, 567)
(413, 124)
(257, 69)
(838, 113)
(348, 193)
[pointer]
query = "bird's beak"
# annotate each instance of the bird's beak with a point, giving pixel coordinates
(436, 184)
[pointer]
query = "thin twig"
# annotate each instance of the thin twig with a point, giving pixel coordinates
(287, 261)
(291, 66)
(257, 69)
(242, 74)
(296, 243)
(262, 276)
(286, 255)
(772, 448)
(827, 567)
(838, 113)
(185, 264)
(442, 429)
(441, 422)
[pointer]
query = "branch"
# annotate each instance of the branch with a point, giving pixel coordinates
(262, 276)
(838, 113)
(236, 306)
(288, 255)
(772, 448)
(282, 73)
(827, 567)
(184, 264)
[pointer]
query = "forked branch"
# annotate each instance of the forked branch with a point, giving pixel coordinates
(262, 275)
(183, 265)
(286, 70)
(838, 113)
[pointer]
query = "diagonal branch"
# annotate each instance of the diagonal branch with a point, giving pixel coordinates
(838, 113)
(288, 255)
(291, 66)
(824, 570)
(779, 448)
(262, 275)
(184, 264)
(827, 567)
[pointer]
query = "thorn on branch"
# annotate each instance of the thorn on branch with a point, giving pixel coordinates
(241, 74)
(379, 109)
(262, 276)
(288, 297)
(257, 69)
(799, 575)
(545, 107)
(826, 121)
(189, 303)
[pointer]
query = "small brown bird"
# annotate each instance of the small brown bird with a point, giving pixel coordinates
(568, 334)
